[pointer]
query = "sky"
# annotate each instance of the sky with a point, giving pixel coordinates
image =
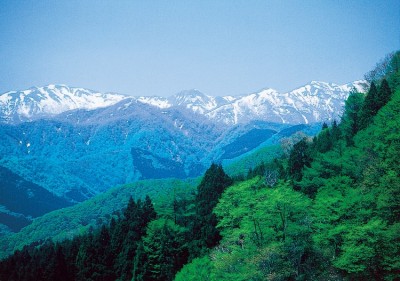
(230, 47)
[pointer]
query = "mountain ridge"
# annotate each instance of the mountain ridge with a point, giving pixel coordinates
(305, 103)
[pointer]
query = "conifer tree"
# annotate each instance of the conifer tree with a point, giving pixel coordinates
(60, 269)
(85, 259)
(131, 209)
(370, 106)
(324, 141)
(350, 124)
(149, 213)
(140, 264)
(335, 132)
(384, 94)
(209, 191)
(104, 256)
(298, 159)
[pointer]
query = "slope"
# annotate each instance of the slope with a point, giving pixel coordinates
(21, 200)
(78, 219)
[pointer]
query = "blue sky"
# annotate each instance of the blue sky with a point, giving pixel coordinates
(219, 47)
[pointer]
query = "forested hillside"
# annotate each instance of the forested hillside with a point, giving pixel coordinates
(334, 213)
(78, 219)
(329, 209)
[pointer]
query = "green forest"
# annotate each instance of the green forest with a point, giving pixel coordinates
(329, 209)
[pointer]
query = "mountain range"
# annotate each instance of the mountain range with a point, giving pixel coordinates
(73, 143)
(314, 102)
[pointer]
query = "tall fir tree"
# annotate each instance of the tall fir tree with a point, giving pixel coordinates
(149, 213)
(350, 124)
(335, 132)
(204, 231)
(370, 106)
(384, 94)
(298, 159)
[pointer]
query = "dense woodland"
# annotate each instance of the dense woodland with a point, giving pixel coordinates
(329, 209)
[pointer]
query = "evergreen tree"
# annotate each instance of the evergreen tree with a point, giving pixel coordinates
(335, 132)
(370, 106)
(85, 259)
(324, 141)
(104, 256)
(350, 124)
(384, 94)
(298, 159)
(131, 210)
(140, 264)
(137, 216)
(209, 191)
(61, 272)
(149, 213)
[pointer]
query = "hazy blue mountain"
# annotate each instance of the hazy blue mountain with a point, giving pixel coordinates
(81, 153)
(21, 201)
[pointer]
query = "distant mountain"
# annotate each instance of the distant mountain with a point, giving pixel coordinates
(314, 102)
(36, 102)
(80, 153)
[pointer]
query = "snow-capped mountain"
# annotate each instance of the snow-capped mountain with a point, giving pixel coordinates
(314, 102)
(16, 106)
(197, 101)
(191, 99)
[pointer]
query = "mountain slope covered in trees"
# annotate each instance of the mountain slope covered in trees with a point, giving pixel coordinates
(21, 201)
(334, 214)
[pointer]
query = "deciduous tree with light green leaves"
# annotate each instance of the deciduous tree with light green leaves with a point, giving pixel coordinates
(266, 232)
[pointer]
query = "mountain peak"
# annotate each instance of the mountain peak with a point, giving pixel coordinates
(314, 102)
(52, 99)
(190, 93)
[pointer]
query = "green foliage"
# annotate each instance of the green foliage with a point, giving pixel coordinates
(203, 231)
(370, 106)
(388, 68)
(350, 124)
(163, 247)
(243, 164)
(265, 232)
(105, 254)
(350, 231)
(198, 270)
(357, 204)
(298, 159)
(385, 93)
(361, 248)
(76, 220)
